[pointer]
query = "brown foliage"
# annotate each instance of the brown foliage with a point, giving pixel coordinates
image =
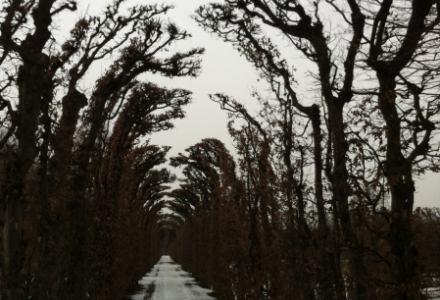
(330, 233)
(80, 188)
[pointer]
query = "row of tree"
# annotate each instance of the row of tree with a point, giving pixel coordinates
(78, 189)
(235, 232)
(226, 244)
(300, 211)
(318, 202)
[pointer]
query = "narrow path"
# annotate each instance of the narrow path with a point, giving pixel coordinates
(167, 281)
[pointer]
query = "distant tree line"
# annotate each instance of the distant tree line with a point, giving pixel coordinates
(80, 195)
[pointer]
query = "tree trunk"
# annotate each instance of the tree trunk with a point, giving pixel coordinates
(13, 246)
(341, 191)
(399, 176)
(329, 276)
(31, 89)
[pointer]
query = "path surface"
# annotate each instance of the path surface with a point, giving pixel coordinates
(167, 281)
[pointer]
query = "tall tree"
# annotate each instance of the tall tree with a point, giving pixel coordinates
(67, 150)
(398, 50)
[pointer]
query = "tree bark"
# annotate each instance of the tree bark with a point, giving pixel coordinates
(399, 176)
(341, 190)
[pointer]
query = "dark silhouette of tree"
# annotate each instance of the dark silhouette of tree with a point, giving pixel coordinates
(365, 141)
(86, 149)
(317, 202)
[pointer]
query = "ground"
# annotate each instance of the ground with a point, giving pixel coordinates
(167, 281)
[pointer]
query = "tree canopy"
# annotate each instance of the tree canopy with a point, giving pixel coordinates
(317, 200)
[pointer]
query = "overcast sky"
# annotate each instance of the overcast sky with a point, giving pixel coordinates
(223, 71)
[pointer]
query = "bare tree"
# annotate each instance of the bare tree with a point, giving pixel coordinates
(400, 49)
(66, 149)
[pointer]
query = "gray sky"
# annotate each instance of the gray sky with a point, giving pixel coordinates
(223, 71)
